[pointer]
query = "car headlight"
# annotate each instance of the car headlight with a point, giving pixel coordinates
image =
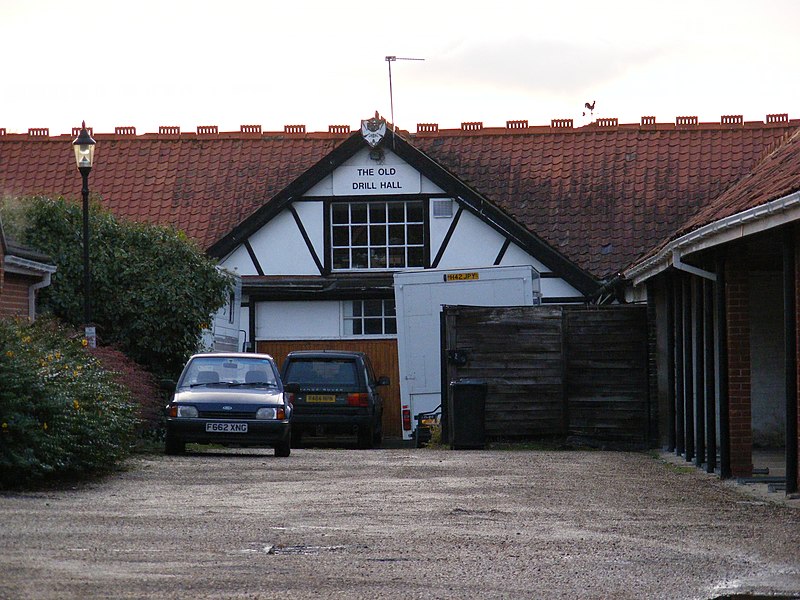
(183, 412)
(271, 413)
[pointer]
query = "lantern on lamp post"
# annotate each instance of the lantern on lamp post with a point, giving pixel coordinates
(84, 157)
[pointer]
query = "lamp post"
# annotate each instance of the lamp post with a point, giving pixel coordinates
(84, 155)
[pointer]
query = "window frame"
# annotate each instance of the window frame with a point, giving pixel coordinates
(385, 317)
(424, 207)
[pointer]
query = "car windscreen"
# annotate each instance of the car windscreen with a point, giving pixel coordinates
(213, 370)
(329, 372)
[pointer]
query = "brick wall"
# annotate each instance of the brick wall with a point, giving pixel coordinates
(14, 298)
(738, 328)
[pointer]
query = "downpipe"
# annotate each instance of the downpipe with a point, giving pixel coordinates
(678, 263)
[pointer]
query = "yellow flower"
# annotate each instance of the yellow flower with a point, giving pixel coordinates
(44, 426)
(26, 339)
(76, 405)
(10, 354)
(5, 425)
(84, 342)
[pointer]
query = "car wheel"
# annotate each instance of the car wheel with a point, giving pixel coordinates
(366, 435)
(174, 446)
(283, 450)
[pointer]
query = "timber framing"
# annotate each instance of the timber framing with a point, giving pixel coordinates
(467, 198)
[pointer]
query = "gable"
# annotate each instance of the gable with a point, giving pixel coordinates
(477, 233)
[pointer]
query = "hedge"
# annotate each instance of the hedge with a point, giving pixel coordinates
(61, 414)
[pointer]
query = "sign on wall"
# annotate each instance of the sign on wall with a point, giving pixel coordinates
(376, 180)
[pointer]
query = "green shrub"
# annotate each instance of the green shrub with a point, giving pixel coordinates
(153, 290)
(61, 414)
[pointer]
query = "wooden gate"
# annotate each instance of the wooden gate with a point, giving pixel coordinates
(555, 370)
(382, 353)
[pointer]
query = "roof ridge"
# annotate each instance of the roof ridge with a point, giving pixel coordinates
(512, 127)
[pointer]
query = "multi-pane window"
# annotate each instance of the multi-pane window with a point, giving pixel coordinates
(377, 235)
(369, 317)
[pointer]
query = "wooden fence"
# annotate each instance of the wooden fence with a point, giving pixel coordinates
(555, 370)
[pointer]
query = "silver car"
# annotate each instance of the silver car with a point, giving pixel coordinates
(232, 399)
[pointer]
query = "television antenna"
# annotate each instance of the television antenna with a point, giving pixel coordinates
(390, 60)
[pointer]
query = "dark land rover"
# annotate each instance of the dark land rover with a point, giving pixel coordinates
(334, 393)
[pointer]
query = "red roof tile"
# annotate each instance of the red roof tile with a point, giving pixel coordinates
(775, 176)
(202, 186)
(599, 195)
(603, 198)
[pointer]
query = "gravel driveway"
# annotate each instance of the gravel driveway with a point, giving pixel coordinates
(398, 523)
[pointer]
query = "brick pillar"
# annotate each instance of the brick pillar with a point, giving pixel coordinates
(738, 329)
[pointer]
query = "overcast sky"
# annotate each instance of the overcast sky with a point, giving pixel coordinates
(147, 63)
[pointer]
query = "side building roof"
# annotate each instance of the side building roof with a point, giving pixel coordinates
(768, 196)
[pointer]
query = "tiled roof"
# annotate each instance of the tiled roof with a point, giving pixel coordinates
(776, 176)
(601, 195)
(203, 187)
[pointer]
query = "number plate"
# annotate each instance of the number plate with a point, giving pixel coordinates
(320, 398)
(226, 427)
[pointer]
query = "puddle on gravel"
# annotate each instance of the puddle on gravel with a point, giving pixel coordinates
(489, 514)
(754, 597)
(300, 549)
(737, 589)
(393, 560)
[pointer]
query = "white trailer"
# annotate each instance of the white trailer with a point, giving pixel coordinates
(224, 334)
(419, 297)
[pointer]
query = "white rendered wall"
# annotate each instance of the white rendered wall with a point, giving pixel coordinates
(517, 256)
(313, 218)
(298, 320)
(280, 247)
(239, 262)
(558, 288)
(439, 227)
(473, 244)
(361, 159)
